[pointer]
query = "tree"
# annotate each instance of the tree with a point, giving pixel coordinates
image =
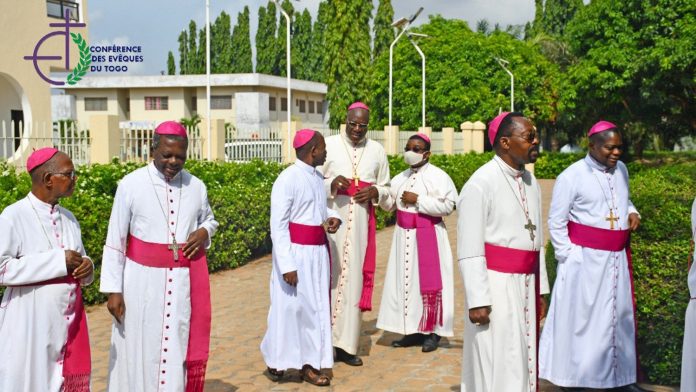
(316, 59)
(192, 58)
(557, 14)
(241, 45)
(637, 72)
(483, 27)
(265, 39)
(463, 84)
(200, 54)
(220, 45)
(301, 46)
(347, 56)
(183, 53)
(383, 30)
(171, 65)
(280, 64)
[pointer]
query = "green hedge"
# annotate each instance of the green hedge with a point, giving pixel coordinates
(663, 195)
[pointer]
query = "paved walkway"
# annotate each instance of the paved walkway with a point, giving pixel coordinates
(240, 306)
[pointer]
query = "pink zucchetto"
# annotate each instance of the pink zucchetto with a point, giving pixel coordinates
(423, 136)
(494, 125)
(39, 157)
(358, 105)
(171, 128)
(302, 137)
(601, 126)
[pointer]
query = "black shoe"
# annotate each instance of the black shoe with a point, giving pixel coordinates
(349, 359)
(630, 388)
(431, 343)
(414, 339)
(273, 374)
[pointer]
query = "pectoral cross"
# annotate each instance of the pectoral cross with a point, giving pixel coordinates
(174, 247)
(356, 179)
(531, 227)
(611, 218)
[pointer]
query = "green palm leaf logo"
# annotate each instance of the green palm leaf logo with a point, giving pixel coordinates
(85, 60)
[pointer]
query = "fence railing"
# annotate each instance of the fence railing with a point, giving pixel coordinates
(19, 137)
(136, 143)
(264, 143)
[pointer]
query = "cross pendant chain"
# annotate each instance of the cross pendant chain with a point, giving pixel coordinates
(531, 227)
(174, 247)
(611, 218)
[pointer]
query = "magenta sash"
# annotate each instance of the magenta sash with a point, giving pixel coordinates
(77, 360)
(597, 238)
(307, 234)
(612, 241)
(370, 261)
(429, 275)
(159, 256)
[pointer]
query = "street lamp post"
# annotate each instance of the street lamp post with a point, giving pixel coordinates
(404, 24)
(287, 71)
(502, 63)
(413, 42)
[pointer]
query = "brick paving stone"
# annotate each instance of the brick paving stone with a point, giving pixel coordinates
(240, 300)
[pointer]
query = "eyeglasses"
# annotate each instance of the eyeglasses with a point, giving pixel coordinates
(529, 138)
(71, 175)
(360, 126)
(416, 149)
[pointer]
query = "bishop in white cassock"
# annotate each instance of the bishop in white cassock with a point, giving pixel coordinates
(418, 295)
(356, 176)
(43, 326)
(589, 338)
(299, 319)
(155, 272)
(688, 370)
(499, 245)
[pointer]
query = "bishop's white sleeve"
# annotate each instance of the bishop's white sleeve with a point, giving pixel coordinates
(471, 223)
(631, 208)
(440, 201)
(19, 269)
(328, 178)
(391, 201)
(559, 211)
(382, 184)
(89, 279)
(333, 214)
(206, 219)
(114, 256)
(281, 203)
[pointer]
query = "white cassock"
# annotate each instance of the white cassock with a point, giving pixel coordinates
(688, 371)
(401, 307)
(147, 351)
(500, 356)
(369, 161)
(299, 319)
(34, 320)
(589, 335)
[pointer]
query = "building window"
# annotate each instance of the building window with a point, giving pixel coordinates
(156, 103)
(302, 106)
(221, 102)
(95, 104)
(283, 104)
(320, 107)
(127, 104)
(272, 103)
(57, 8)
(311, 106)
(194, 103)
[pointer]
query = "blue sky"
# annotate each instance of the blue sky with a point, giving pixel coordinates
(155, 24)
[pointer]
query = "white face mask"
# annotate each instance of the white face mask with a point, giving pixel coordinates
(412, 158)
